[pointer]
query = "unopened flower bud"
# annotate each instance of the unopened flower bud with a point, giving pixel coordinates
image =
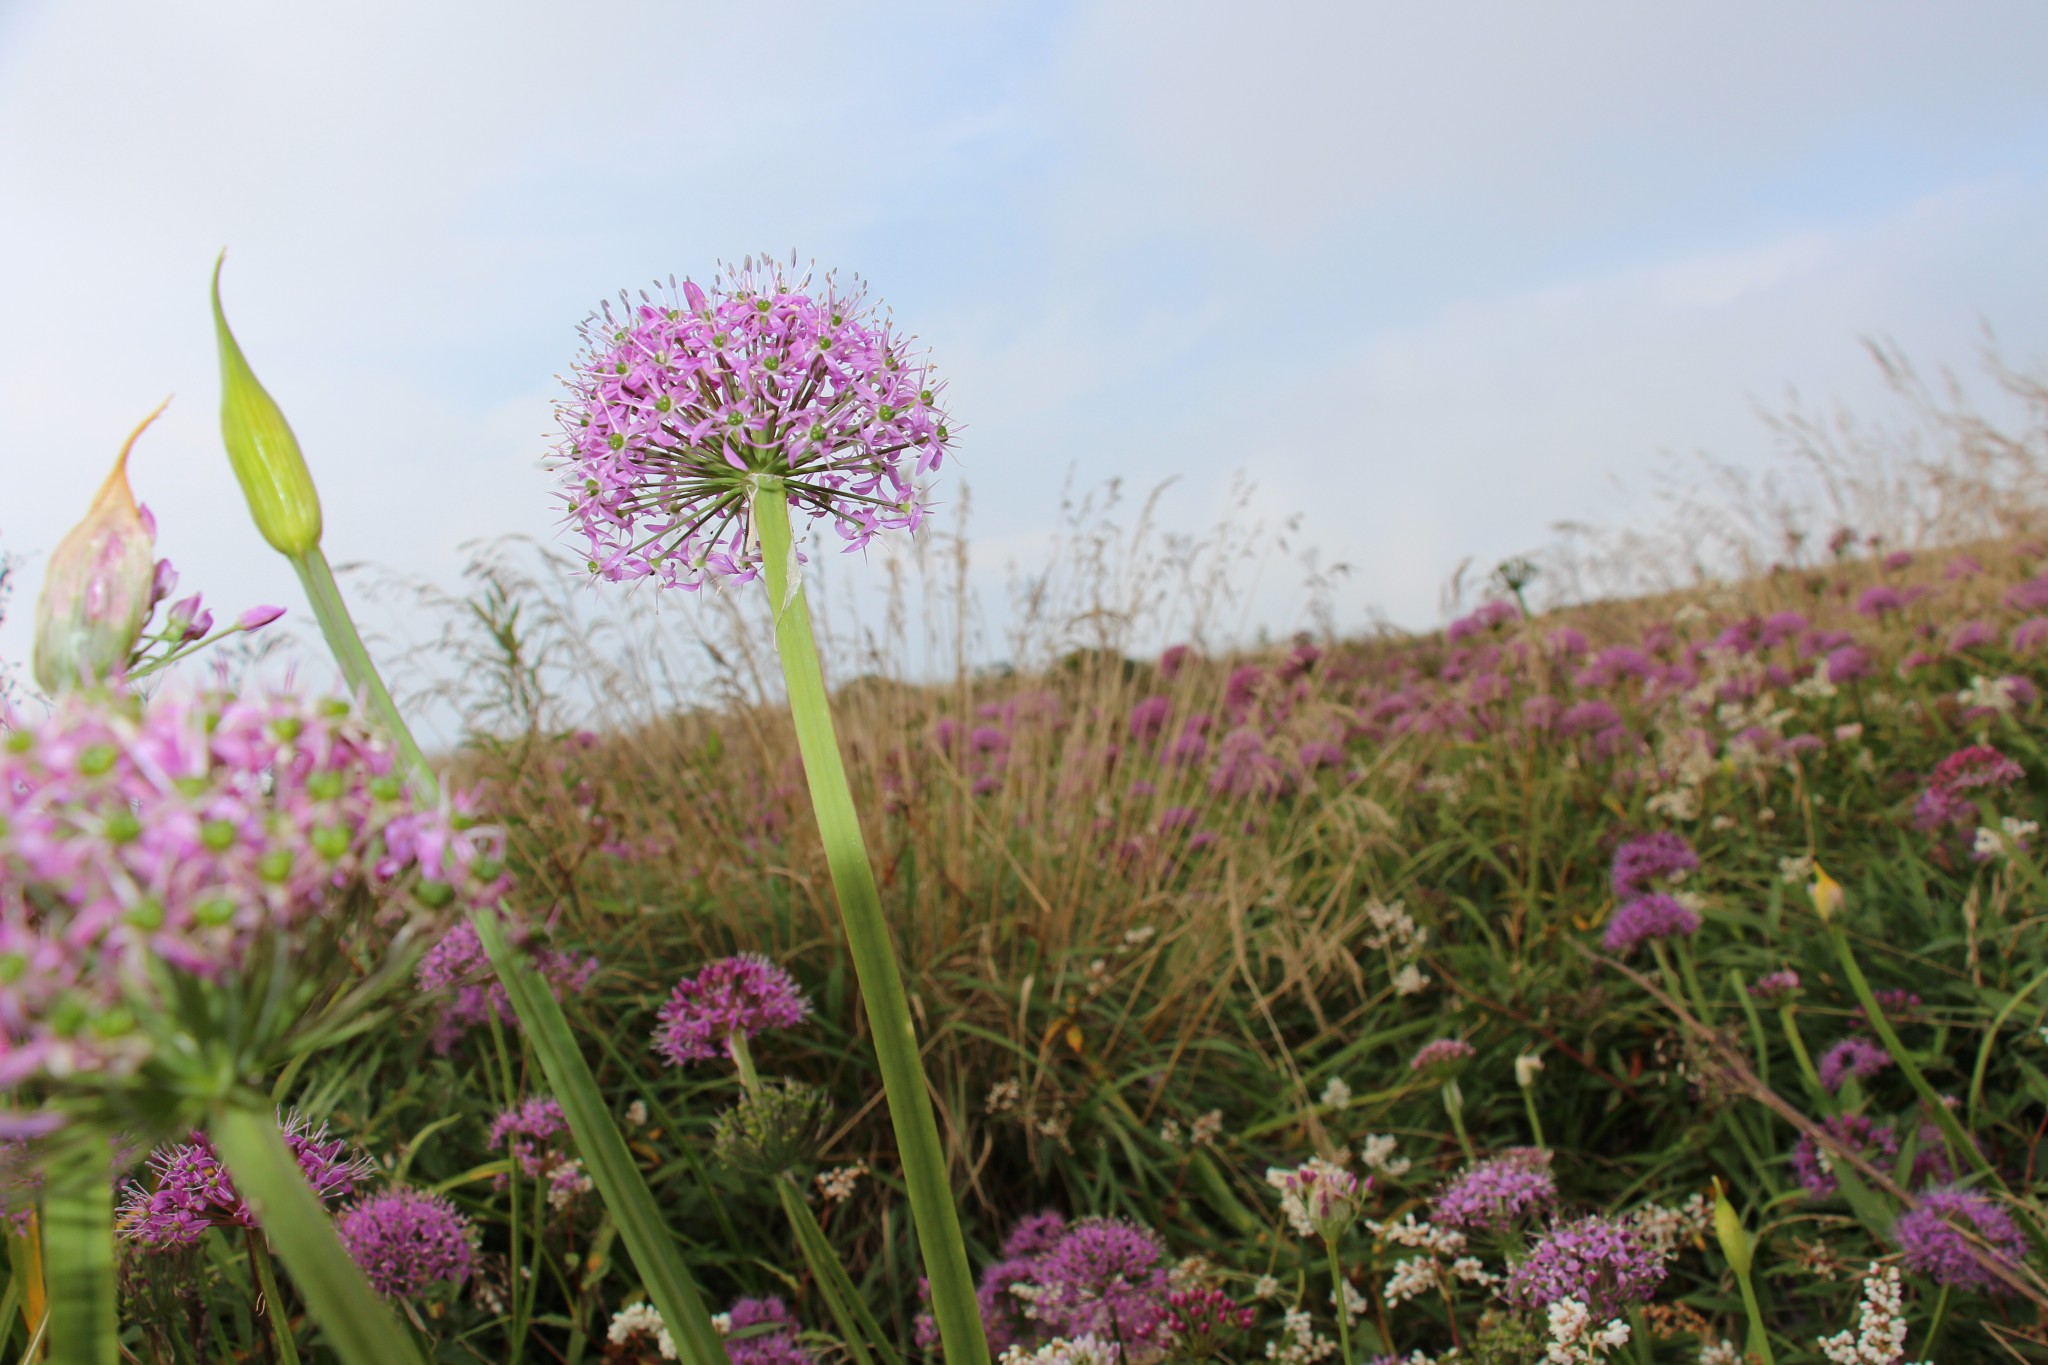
(1728, 1230)
(282, 500)
(99, 587)
(1827, 893)
(256, 618)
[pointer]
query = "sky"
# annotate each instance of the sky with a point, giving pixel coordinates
(1431, 277)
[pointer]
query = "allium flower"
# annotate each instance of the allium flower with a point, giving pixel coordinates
(733, 997)
(191, 1191)
(1646, 918)
(1881, 600)
(1775, 988)
(1653, 858)
(143, 838)
(1492, 1195)
(1104, 1276)
(1853, 1056)
(1595, 1260)
(527, 1131)
(407, 1241)
(1936, 1239)
(458, 966)
(683, 406)
(1201, 1322)
(1975, 767)
(1319, 1197)
(1443, 1052)
(763, 1332)
(1813, 1164)
(1035, 1233)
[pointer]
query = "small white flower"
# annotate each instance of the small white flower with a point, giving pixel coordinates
(1410, 980)
(641, 1319)
(1337, 1094)
(1265, 1287)
(636, 1114)
(1527, 1067)
(1380, 1155)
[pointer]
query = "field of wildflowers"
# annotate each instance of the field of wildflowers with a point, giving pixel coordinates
(1652, 979)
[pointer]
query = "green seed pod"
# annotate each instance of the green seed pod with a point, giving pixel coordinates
(282, 500)
(99, 586)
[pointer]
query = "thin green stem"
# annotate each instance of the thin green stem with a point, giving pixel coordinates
(1759, 1339)
(867, 937)
(743, 1062)
(1535, 1123)
(1790, 1025)
(274, 1314)
(346, 644)
(1934, 1325)
(359, 1326)
(1337, 1296)
(78, 1252)
(1454, 1105)
(511, 1092)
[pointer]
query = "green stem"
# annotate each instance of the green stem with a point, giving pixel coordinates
(1800, 1055)
(743, 1062)
(359, 1326)
(1337, 1286)
(346, 644)
(511, 1092)
(78, 1252)
(1454, 1105)
(612, 1168)
(1759, 1340)
(1535, 1123)
(1934, 1325)
(867, 938)
(274, 1314)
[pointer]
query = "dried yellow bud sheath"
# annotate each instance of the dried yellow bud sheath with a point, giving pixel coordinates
(99, 586)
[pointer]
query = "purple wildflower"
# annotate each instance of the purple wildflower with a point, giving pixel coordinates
(458, 968)
(763, 1332)
(1599, 1262)
(179, 832)
(1245, 768)
(1201, 1322)
(735, 996)
(527, 1130)
(1948, 1237)
(682, 403)
(1881, 600)
(1588, 717)
(1646, 918)
(1035, 1233)
(2029, 635)
(1854, 1056)
(2031, 595)
(1775, 988)
(1443, 1052)
(1898, 1006)
(1148, 718)
(1847, 663)
(1813, 1164)
(1489, 616)
(1492, 1195)
(1971, 635)
(1975, 767)
(1651, 858)
(1104, 1276)
(191, 1191)
(407, 1241)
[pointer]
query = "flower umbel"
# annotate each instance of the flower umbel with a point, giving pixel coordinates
(684, 406)
(408, 1241)
(734, 997)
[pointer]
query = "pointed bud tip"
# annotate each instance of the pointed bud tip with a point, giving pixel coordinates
(261, 447)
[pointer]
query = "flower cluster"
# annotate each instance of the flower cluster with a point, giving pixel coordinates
(175, 834)
(1493, 1195)
(734, 997)
(682, 407)
(1880, 1335)
(761, 1332)
(1319, 1197)
(1945, 801)
(1855, 1056)
(1812, 1163)
(1951, 1235)
(189, 1190)
(1596, 1261)
(457, 970)
(408, 1241)
(1059, 1282)
(1646, 918)
(1441, 1054)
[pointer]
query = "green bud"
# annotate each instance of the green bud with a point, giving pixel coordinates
(434, 895)
(214, 911)
(12, 965)
(217, 835)
(487, 869)
(779, 1127)
(94, 760)
(97, 587)
(282, 500)
(386, 787)
(325, 785)
(617, 440)
(664, 403)
(145, 914)
(1728, 1230)
(275, 866)
(287, 728)
(330, 842)
(123, 827)
(114, 1023)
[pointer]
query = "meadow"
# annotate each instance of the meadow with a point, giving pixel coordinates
(1634, 970)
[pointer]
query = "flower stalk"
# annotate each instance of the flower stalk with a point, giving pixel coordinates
(867, 936)
(78, 1252)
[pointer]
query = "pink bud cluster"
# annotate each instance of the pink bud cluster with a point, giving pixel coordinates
(682, 405)
(137, 836)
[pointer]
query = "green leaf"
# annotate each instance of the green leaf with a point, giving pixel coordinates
(857, 1324)
(78, 1251)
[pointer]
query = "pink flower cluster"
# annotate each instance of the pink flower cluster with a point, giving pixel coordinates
(177, 833)
(458, 970)
(190, 1191)
(681, 405)
(734, 997)
(408, 1241)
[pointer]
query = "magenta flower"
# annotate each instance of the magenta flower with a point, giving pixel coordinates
(457, 969)
(1104, 1276)
(527, 1131)
(1854, 1056)
(763, 1332)
(733, 997)
(1652, 858)
(1775, 988)
(1971, 635)
(408, 1241)
(190, 1191)
(1646, 918)
(1201, 1322)
(1880, 601)
(1443, 1052)
(1935, 1239)
(1490, 616)
(2029, 635)
(1493, 1195)
(1595, 1260)
(183, 831)
(1812, 1165)
(684, 405)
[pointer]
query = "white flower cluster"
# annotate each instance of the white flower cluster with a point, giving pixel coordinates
(1989, 694)
(637, 1320)
(1320, 1198)
(2012, 836)
(1081, 1350)
(1400, 938)
(1299, 1345)
(1880, 1337)
(1668, 1229)
(836, 1185)
(1722, 1352)
(1442, 1263)
(1337, 1094)
(1574, 1340)
(1382, 1154)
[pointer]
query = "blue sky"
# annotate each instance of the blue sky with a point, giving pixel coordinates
(1431, 276)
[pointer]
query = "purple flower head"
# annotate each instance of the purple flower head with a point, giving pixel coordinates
(1775, 988)
(1104, 1276)
(1854, 1056)
(763, 1332)
(1898, 1006)
(1881, 600)
(1649, 859)
(1489, 616)
(190, 1191)
(408, 1241)
(1847, 663)
(1588, 718)
(1813, 1165)
(735, 996)
(2029, 635)
(1779, 627)
(1148, 718)
(1971, 635)
(1978, 766)
(1598, 1261)
(527, 1131)
(1442, 1053)
(185, 830)
(1951, 1234)
(2031, 595)
(1035, 1233)
(683, 404)
(1646, 918)
(1493, 1195)
(457, 969)
(1245, 768)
